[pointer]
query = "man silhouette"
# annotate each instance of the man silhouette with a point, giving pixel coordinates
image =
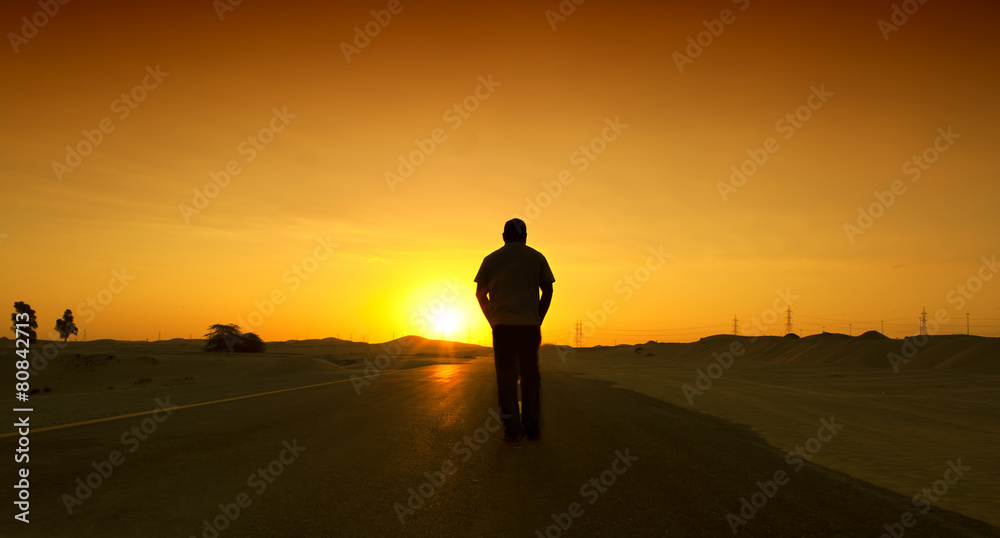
(507, 288)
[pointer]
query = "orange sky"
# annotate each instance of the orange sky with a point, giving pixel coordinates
(310, 219)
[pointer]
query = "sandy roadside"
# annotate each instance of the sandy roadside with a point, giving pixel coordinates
(899, 430)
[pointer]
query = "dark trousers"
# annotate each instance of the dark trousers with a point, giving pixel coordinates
(515, 354)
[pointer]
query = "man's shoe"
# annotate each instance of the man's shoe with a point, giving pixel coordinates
(514, 438)
(534, 436)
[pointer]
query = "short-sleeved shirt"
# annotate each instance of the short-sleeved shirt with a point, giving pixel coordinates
(512, 275)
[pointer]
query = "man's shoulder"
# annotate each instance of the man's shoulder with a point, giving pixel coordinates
(493, 255)
(538, 255)
(513, 252)
(525, 250)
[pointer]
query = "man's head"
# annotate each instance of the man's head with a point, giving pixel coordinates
(515, 231)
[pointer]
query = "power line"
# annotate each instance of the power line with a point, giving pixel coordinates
(806, 325)
(651, 331)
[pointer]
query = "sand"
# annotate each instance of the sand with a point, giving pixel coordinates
(102, 378)
(900, 428)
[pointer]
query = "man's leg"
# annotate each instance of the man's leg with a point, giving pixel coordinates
(505, 359)
(529, 340)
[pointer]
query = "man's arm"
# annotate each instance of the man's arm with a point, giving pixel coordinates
(484, 301)
(544, 301)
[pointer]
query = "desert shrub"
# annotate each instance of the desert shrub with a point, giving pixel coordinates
(229, 338)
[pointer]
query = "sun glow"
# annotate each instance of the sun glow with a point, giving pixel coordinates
(448, 322)
(442, 308)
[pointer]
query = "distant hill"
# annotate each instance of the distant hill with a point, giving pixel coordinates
(407, 345)
(870, 349)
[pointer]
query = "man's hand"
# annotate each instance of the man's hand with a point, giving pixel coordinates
(544, 301)
(484, 301)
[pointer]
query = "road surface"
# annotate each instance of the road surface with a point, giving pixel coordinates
(418, 453)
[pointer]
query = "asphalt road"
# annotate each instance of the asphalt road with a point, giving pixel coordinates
(413, 455)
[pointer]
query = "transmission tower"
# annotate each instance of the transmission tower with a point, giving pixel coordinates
(578, 334)
(736, 326)
(788, 322)
(923, 322)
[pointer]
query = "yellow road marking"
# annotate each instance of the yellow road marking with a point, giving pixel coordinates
(141, 413)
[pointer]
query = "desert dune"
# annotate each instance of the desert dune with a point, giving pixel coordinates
(900, 429)
(103, 378)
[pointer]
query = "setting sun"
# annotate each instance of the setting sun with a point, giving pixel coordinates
(325, 204)
(448, 321)
(501, 268)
